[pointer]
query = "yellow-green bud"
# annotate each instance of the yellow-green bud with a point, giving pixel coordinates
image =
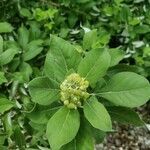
(72, 106)
(74, 91)
(79, 103)
(66, 102)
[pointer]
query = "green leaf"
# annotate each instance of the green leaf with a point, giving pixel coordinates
(116, 56)
(83, 143)
(125, 115)
(82, 1)
(124, 68)
(70, 146)
(23, 36)
(38, 127)
(89, 39)
(102, 39)
(26, 70)
(60, 59)
(62, 127)
(118, 1)
(83, 140)
(25, 12)
(38, 117)
(138, 1)
(5, 105)
(5, 27)
(124, 13)
(127, 89)
(1, 44)
(32, 49)
(42, 114)
(35, 31)
(43, 90)
(72, 19)
(7, 56)
(141, 29)
(94, 65)
(98, 135)
(97, 115)
(2, 78)
(19, 137)
(3, 147)
(2, 138)
(18, 77)
(32, 149)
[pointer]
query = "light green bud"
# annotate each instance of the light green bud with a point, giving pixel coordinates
(73, 90)
(86, 95)
(82, 87)
(79, 103)
(86, 83)
(72, 106)
(66, 102)
(75, 99)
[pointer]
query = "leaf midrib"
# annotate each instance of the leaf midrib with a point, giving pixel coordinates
(64, 123)
(93, 65)
(127, 90)
(66, 66)
(93, 110)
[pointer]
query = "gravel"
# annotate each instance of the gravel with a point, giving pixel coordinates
(129, 137)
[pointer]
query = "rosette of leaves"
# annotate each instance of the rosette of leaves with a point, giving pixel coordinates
(110, 97)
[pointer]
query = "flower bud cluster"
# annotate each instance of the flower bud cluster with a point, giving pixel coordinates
(74, 91)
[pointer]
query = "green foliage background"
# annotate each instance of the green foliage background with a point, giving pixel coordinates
(25, 28)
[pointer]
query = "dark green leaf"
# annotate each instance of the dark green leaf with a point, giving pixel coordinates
(142, 29)
(19, 138)
(125, 115)
(2, 138)
(83, 140)
(2, 78)
(1, 44)
(98, 135)
(41, 116)
(23, 36)
(32, 49)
